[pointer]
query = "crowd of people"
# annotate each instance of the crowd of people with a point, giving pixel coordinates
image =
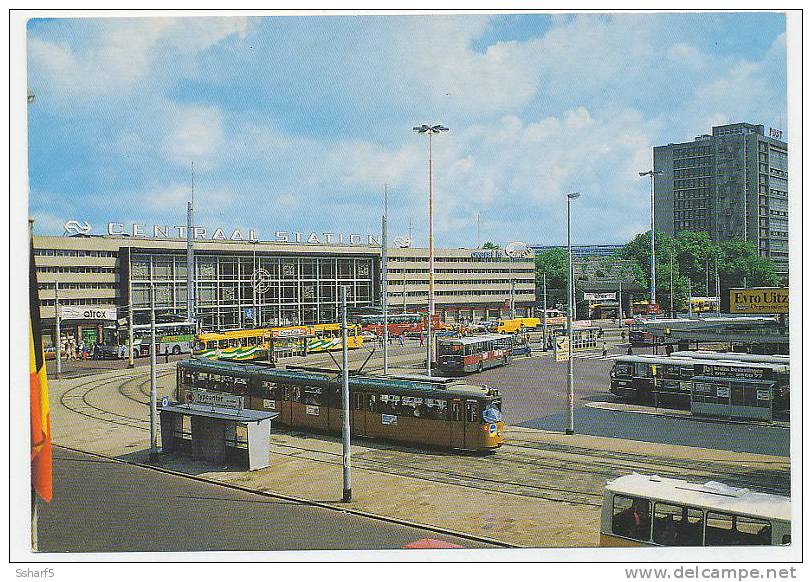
(73, 349)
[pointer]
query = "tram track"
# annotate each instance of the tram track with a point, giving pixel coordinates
(492, 473)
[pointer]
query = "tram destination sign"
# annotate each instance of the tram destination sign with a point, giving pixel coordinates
(765, 300)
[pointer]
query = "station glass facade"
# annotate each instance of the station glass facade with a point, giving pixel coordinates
(300, 290)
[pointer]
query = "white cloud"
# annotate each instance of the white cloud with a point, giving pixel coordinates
(196, 136)
(683, 54)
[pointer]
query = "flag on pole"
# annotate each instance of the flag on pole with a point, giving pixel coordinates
(41, 480)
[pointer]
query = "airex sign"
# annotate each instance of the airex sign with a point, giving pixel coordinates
(105, 313)
(765, 300)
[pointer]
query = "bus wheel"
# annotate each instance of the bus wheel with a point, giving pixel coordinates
(175, 350)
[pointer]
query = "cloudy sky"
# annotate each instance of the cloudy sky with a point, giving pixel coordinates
(296, 123)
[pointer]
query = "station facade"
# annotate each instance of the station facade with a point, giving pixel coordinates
(99, 277)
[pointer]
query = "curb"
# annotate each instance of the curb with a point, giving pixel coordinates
(358, 512)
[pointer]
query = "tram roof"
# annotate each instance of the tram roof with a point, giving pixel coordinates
(711, 495)
(654, 359)
(475, 339)
(402, 386)
(710, 355)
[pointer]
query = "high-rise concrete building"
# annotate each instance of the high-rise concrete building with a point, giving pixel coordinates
(731, 184)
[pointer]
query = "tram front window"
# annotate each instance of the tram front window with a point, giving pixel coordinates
(493, 411)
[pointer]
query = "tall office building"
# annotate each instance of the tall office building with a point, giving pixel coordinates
(731, 184)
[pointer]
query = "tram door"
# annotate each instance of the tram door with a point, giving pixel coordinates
(457, 422)
(358, 405)
(472, 425)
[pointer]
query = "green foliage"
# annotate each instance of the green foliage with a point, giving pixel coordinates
(553, 263)
(490, 245)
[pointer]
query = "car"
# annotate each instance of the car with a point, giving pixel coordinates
(368, 335)
(50, 353)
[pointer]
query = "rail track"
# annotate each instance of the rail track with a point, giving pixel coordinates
(525, 468)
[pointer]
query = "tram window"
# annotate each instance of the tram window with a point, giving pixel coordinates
(312, 395)
(472, 412)
(359, 401)
(412, 406)
(371, 403)
(736, 530)
(675, 525)
(631, 517)
(270, 390)
(296, 393)
(389, 404)
(456, 410)
(642, 370)
(436, 409)
(624, 370)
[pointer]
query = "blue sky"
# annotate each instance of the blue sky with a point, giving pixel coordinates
(296, 123)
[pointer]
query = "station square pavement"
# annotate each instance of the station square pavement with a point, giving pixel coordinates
(542, 489)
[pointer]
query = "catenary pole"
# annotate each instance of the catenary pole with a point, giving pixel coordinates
(345, 401)
(570, 365)
(190, 255)
(544, 316)
(153, 380)
(58, 332)
(385, 281)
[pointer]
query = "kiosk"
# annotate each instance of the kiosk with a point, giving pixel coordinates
(215, 427)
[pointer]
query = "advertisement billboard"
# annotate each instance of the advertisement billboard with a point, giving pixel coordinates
(765, 300)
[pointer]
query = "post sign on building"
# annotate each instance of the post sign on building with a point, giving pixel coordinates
(767, 300)
(104, 312)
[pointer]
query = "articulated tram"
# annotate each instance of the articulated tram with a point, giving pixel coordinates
(449, 415)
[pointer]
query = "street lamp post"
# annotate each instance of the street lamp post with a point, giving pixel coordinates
(653, 287)
(430, 130)
(570, 371)
(58, 343)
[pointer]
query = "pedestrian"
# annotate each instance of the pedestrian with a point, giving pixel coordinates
(629, 350)
(166, 355)
(421, 338)
(401, 339)
(604, 348)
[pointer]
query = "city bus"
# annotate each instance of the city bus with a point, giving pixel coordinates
(431, 413)
(648, 510)
(170, 338)
(517, 324)
(646, 377)
(473, 353)
(704, 304)
(398, 323)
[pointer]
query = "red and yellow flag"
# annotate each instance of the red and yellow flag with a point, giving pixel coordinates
(41, 480)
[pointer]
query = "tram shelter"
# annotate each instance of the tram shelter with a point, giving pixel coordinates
(218, 429)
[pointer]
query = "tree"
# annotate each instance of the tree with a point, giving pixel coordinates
(741, 266)
(490, 245)
(553, 263)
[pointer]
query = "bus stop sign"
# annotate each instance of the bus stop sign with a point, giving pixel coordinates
(562, 348)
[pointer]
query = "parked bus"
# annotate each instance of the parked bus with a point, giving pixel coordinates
(518, 324)
(473, 353)
(327, 337)
(170, 338)
(645, 308)
(645, 377)
(398, 323)
(648, 510)
(450, 415)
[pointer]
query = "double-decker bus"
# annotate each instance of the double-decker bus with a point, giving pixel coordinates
(170, 338)
(649, 510)
(398, 323)
(451, 415)
(473, 353)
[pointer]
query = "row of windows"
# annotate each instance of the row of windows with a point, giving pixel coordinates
(505, 270)
(464, 282)
(694, 183)
(694, 224)
(73, 253)
(454, 260)
(76, 269)
(695, 193)
(693, 151)
(85, 301)
(695, 172)
(692, 203)
(690, 214)
(703, 163)
(501, 293)
(79, 285)
(676, 525)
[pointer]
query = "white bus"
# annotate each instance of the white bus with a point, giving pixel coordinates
(648, 510)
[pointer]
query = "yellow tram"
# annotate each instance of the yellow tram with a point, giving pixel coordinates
(449, 415)
(648, 510)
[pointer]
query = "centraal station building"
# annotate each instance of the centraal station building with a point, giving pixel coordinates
(100, 275)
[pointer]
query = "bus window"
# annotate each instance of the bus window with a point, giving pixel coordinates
(631, 517)
(675, 525)
(733, 530)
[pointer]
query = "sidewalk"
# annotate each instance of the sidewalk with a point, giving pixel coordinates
(525, 494)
